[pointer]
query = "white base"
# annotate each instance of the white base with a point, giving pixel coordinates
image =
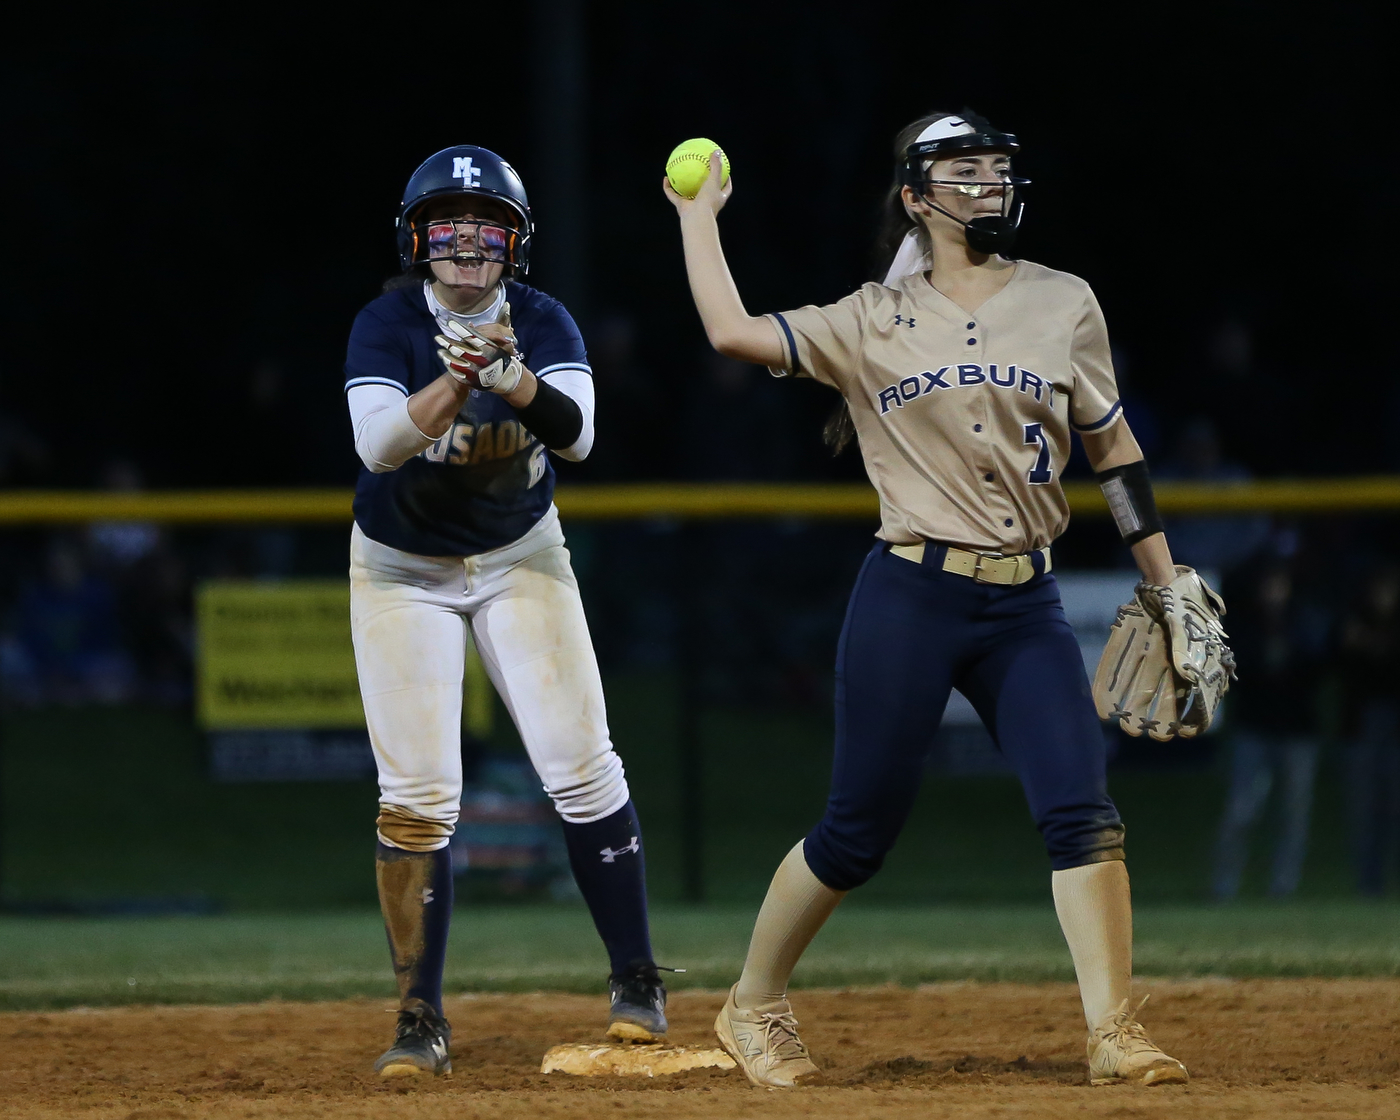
(630, 1061)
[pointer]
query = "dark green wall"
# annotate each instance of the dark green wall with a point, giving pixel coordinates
(114, 803)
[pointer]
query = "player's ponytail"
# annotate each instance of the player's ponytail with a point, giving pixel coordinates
(895, 224)
(895, 221)
(839, 428)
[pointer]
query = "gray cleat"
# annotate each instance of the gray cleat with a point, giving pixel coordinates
(638, 1012)
(422, 1044)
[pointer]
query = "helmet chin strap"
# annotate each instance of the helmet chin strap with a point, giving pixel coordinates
(987, 233)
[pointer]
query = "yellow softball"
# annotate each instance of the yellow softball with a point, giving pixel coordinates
(689, 165)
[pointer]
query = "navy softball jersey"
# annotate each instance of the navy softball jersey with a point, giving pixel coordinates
(488, 480)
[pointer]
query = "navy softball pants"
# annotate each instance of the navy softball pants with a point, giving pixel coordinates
(912, 633)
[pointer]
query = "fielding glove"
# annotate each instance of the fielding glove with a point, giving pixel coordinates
(1166, 665)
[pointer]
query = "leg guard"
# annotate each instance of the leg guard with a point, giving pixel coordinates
(415, 895)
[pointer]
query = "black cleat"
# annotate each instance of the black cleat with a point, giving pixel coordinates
(638, 1011)
(421, 1044)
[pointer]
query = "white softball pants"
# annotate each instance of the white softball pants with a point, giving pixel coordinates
(409, 615)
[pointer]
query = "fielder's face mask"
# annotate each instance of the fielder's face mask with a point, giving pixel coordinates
(950, 136)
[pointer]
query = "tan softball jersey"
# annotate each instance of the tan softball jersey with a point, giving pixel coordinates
(964, 419)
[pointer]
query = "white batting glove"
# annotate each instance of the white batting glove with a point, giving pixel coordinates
(478, 361)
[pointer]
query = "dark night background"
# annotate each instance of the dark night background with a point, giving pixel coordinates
(200, 202)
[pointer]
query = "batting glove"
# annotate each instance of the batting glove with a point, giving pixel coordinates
(478, 361)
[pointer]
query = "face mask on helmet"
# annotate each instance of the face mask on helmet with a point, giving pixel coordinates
(465, 241)
(986, 233)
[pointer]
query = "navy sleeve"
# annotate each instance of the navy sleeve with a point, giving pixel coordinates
(554, 342)
(378, 354)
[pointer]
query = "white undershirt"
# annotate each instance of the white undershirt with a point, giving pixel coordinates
(386, 436)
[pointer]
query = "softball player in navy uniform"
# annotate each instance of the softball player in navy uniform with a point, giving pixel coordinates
(962, 373)
(459, 379)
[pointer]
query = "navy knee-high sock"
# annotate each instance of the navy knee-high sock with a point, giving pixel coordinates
(606, 857)
(415, 895)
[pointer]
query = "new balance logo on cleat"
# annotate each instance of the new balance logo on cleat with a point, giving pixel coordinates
(745, 1042)
(764, 1043)
(1119, 1050)
(610, 854)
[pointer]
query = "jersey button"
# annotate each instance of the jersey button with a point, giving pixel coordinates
(976, 427)
(972, 326)
(972, 342)
(1007, 522)
(989, 477)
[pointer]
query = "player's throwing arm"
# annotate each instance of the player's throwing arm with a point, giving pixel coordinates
(962, 373)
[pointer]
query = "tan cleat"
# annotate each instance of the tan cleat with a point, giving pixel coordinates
(1120, 1051)
(764, 1042)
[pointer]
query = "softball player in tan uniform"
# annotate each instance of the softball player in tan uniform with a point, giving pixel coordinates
(963, 373)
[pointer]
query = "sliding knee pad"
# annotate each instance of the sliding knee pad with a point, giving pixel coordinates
(402, 828)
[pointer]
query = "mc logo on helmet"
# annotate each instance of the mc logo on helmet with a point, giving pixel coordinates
(462, 169)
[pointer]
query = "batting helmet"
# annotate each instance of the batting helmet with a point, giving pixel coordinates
(967, 132)
(465, 170)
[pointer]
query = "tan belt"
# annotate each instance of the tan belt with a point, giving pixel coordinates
(984, 569)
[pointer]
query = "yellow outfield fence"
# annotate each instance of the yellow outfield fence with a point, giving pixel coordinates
(635, 501)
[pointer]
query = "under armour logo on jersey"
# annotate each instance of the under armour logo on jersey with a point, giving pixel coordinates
(610, 855)
(904, 321)
(462, 169)
(426, 894)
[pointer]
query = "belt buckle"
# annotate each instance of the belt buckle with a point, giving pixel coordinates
(981, 575)
(999, 579)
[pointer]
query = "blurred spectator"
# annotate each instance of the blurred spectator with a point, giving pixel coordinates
(1230, 347)
(272, 421)
(1280, 644)
(152, 594)
(155, 609)
(1211, 544)
(627, 405)
(738, 423)
(24, 458)
(122, 542)
(1370, 664)
(65, 647)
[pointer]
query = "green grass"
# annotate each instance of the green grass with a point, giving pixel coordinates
(57, 962)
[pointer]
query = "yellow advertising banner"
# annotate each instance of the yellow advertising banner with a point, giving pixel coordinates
(275, 655)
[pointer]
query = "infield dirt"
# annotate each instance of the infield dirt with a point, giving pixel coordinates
(1281, 1048)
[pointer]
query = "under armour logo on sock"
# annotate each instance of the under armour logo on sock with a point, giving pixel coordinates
(610, 856)
(426, 895)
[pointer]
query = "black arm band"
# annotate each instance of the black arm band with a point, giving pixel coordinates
(554, 418)
(1129, 493)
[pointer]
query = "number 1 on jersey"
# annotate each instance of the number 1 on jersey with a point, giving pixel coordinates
(1040, 474)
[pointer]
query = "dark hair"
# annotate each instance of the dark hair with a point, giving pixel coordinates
(411, 277)
(895, 223)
